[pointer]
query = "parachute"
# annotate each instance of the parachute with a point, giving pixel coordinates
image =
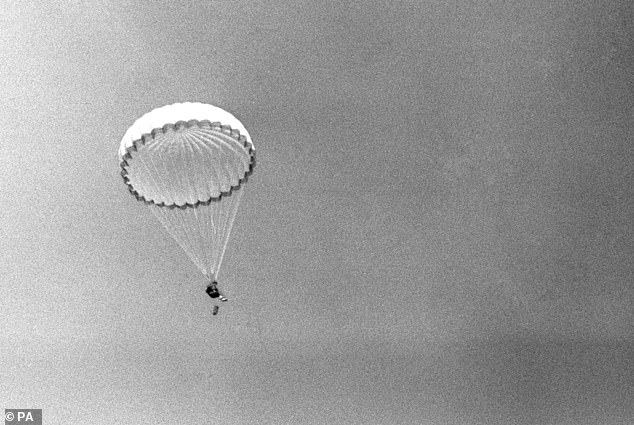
(189, 163)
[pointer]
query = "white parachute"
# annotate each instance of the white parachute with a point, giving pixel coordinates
(189, 162)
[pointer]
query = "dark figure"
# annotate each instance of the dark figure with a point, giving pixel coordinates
(212, 291)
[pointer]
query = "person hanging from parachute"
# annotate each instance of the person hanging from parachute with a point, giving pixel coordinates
(189, 163)
(212, 291)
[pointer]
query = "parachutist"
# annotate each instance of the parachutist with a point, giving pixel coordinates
(212, 291)
(186, 155)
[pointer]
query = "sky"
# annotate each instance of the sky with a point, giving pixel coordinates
(438, 230)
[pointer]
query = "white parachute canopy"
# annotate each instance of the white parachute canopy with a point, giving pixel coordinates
(189, 163)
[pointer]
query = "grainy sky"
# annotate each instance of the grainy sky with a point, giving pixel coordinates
(439, 229)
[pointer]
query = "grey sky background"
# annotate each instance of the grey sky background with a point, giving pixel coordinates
(438, 230)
